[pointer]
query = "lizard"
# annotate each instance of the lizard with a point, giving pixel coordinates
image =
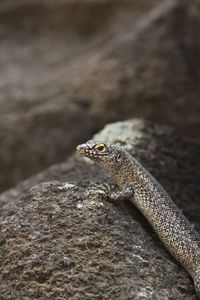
(146, 193)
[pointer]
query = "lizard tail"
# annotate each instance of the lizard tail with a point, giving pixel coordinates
(197, 282)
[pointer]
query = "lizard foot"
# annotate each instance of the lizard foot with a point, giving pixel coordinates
(123, 194)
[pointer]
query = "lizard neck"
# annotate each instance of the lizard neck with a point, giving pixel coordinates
(129, 172)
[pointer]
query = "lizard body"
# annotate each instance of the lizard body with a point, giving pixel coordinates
(144, 191)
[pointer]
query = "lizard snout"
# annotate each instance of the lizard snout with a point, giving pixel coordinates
(80, 149)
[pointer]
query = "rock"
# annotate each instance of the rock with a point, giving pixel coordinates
(69, 67)
(33, 139)
(151, 71)
(45, 45)
(64, 239)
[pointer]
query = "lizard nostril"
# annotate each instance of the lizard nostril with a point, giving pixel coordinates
(78, 148)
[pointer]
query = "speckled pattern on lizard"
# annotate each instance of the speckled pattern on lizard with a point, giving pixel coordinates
(144, 191)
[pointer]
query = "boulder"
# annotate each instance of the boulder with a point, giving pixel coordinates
(61, 236)
(69, 67)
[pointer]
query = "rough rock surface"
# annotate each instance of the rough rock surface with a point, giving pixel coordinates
(68, 67)
(64, 239)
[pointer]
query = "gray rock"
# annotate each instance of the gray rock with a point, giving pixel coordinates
(45, 47)
(64, 239)
(69, 67)
(36, 137)
(151, 71)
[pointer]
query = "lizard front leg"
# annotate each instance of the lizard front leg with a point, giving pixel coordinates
(122, 194)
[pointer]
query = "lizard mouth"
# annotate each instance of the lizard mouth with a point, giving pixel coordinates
(84, 151)
(90, 150)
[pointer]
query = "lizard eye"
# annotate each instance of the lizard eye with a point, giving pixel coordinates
(100, 148)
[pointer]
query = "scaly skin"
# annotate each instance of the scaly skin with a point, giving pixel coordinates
(136, 183)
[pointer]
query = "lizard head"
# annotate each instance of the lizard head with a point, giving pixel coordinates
(96, 151)
(109, 156)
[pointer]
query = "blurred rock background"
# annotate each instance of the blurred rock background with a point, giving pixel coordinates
(70, 66)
